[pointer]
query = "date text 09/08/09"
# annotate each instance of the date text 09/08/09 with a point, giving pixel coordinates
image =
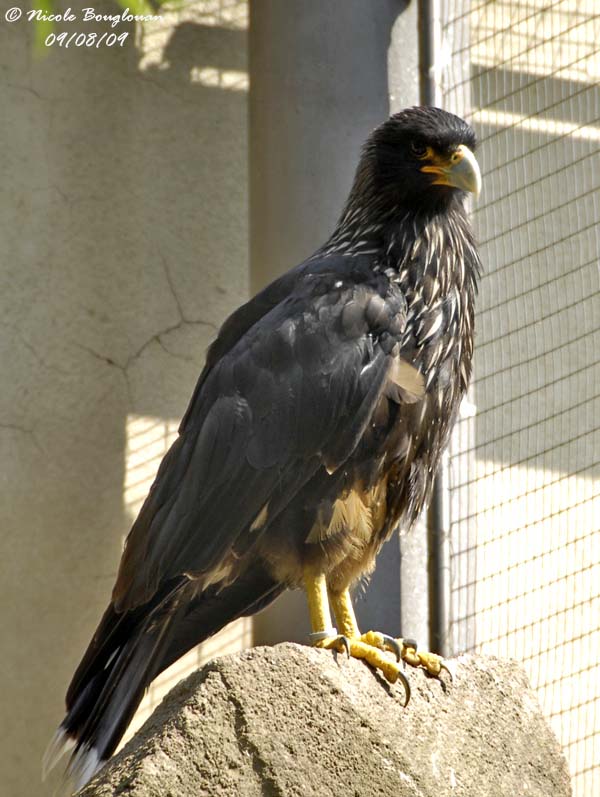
(85, 39)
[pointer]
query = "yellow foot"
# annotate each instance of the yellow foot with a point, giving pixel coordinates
(373, 654)
(406, 649)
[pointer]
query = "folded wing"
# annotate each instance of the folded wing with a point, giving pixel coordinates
(292, 393)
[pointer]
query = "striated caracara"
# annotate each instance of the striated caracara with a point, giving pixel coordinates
(315, 429)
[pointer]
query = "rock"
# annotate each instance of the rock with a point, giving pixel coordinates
(292, 720)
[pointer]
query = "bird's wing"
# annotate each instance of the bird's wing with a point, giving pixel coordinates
(294, 393)
(250, 313)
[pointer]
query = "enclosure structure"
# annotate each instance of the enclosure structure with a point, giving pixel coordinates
(524, 467)
(125, 197)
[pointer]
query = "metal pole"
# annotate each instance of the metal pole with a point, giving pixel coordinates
(438, 564)
(428, 20)
(438, 548)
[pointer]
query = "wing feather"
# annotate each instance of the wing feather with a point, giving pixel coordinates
(293, 393)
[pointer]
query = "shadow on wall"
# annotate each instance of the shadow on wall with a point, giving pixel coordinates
(125, 230)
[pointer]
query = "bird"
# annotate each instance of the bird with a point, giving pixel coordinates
(314, 431)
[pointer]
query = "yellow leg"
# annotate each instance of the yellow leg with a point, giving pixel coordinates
(325, 636)
(344, 614)
(318, 604)
(346, 619)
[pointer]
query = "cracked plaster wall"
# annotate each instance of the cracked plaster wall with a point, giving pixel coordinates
(124, 245)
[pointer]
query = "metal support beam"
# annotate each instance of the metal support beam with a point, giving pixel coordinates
(438, 548)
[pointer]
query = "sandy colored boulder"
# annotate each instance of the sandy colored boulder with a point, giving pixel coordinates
(292, 720)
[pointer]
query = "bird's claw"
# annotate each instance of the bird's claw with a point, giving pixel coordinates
(409, 642)
(371, 647)
(430, 662)
(368, 647)
(447, 669)
(330, 640)
(346, 643)
(392, 644)
(406, 649)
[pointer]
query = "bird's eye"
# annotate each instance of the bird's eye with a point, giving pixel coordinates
(419, 150)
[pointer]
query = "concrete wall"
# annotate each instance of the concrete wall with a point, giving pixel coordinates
(124, 233)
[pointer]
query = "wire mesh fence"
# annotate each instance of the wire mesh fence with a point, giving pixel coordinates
(524, 462)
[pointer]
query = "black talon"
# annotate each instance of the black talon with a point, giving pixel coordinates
(443, 667)
(393, 645)
(406, 686)
(346, 643)
(410, 643)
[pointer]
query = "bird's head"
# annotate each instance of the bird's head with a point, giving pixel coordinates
(421, 158)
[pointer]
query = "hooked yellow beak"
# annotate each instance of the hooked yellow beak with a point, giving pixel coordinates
(460, 170)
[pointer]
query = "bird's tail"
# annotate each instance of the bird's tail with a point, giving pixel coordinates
(126, 653)
(108, 686)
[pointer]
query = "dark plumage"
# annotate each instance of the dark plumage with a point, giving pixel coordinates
(315, 429)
